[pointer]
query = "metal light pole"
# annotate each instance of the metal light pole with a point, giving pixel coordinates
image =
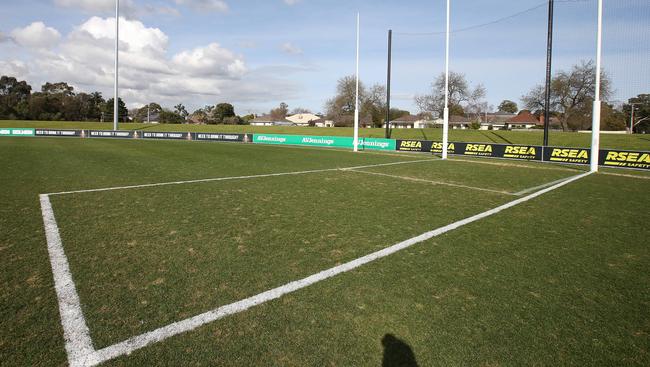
(595, 124)
(117, 46)
(549, 60)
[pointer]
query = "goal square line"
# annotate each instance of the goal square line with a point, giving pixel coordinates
(78, 342)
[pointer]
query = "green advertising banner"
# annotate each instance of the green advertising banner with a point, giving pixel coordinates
(324, 141)
(377, 144)
(16, 132)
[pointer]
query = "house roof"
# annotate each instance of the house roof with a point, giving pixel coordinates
(407, 118)
(269, 118)
(524, 117)
(455, 119)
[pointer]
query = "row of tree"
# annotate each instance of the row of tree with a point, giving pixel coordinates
(572, 96)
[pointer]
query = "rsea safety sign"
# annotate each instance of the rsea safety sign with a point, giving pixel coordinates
(624, 159)
(524, 152)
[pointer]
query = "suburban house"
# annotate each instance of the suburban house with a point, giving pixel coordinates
(460, 122)
(411, 122)
(322, 122)
(495, 120)
(524, 120)
(267, 120)
(303, 119)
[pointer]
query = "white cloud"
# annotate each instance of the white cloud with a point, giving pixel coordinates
(36, 35)
(291, 2)
(15, 68)
(291, 49)
(211, 60)
(198, 76)
(205, 5)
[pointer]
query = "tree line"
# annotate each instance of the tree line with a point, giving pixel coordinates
(572, 96)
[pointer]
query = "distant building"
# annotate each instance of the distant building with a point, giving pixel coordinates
(303, 119)
(524, 120)
(267, 120)
(411, 122)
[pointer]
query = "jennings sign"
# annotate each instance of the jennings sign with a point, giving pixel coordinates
(324, 141)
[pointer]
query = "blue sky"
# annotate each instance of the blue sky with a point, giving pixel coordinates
(256, 54)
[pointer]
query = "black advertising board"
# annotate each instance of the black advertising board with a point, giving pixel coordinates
(624, 159)
(60, 133)
(113, 134)
(167, 135)
(567, 155)
(525, 152)
(240, 138)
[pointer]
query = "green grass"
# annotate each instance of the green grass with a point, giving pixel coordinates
(533, 137)
(559, 280)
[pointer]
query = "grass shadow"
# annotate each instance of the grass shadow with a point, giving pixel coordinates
(397, 353)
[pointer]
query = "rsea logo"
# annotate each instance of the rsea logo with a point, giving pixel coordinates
(411, 144)
(570, 153)
(630, 157)
(438, 146)
(483, 148)
(520, 150)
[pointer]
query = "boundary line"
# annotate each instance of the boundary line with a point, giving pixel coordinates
(78, 343)
(440, 182)
(625, 175)
(235, 178)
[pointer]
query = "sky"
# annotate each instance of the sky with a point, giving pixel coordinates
(256, 54)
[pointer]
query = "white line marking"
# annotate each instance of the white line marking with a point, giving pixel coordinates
(433, 182)
(532, 166)
(130, 345)
(78, 343)
(234, 178)
(531, 189)
(625, 175)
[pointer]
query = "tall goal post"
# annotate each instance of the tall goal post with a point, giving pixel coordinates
(117, 47)
(356, 101)
(445, 126)
(595, 124)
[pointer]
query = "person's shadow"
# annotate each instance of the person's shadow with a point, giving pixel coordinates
(397, 353)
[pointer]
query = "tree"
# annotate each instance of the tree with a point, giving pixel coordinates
(300, 110)
(223, 111)
(508, 106)
(280, 113)
(571, 94)
(641, 105)
(169, 117)
(460, 95)
(61, 88)
(107, 110)
(372, 103)
(145, 112)
(14, 96)
(181, 111)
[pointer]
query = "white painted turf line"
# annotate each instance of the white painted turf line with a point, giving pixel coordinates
(435, 182)
(130, 345)
(78, 343)
(235, 178)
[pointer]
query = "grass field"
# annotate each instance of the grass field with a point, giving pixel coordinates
(560, 279)
(533, 137)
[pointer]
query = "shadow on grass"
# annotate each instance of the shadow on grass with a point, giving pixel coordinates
(397, 353)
